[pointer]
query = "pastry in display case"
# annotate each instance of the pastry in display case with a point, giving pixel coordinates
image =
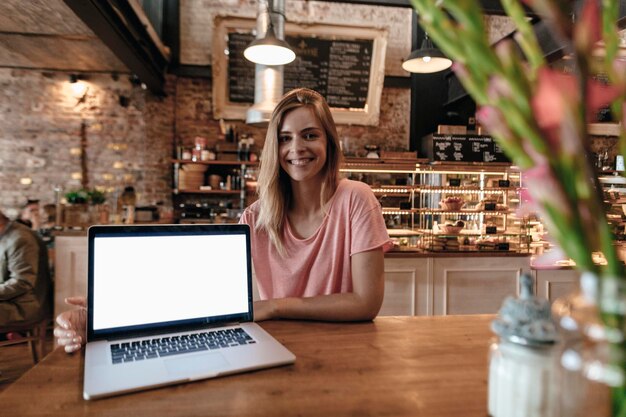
(614, 194)
(450, 207)
(481, 197)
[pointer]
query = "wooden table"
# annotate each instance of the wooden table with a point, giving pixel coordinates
(394, 366)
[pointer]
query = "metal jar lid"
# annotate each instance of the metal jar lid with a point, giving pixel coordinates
(526, 320)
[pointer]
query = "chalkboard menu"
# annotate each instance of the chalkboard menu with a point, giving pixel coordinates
(240, 70)
(337, 69)
(460, 148)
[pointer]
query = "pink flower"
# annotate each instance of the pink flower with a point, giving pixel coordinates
(459, 69)
(619, 69)
(527, 205)
(557, 91)
(554, 91)
(545, 189)
(499, 87)
(588, 29)
(549, 259)
(493, 120)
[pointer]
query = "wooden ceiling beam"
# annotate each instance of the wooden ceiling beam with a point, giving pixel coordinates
(119, 27)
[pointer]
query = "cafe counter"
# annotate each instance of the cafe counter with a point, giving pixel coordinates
(416, 283)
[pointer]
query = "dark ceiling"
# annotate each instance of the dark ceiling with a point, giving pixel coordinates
(46, 34)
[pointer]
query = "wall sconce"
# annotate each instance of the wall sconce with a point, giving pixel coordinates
(136, 82)
(79, 88)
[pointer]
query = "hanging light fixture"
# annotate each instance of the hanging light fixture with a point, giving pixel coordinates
(427, 59)
(268, 79)
(269, 50)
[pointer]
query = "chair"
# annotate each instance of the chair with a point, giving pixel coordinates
(35, 336)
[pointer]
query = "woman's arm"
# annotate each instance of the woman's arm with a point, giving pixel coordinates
(361, 304)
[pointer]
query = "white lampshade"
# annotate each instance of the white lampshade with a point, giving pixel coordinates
(427, 59)
(269, 50)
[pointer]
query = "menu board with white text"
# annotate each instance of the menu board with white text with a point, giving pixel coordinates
(337, 69)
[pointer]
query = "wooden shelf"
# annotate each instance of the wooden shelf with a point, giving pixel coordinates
(463, 189)
(464, 211)
(215, 192)
(604, 129)
(214, 162)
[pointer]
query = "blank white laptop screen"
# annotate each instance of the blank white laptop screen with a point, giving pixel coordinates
(152, 279)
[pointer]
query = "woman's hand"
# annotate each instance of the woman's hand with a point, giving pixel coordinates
(263, 310)
(71, 325)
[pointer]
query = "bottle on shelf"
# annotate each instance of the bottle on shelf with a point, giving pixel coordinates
(243, 148)
(252, 156)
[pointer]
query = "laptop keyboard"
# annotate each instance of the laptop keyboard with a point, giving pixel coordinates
(176, 345)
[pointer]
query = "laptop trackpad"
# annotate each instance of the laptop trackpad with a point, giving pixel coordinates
(205, 364)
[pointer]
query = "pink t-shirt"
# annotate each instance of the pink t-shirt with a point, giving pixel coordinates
(320, 264)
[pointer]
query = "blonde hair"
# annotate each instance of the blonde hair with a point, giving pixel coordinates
(274, 185)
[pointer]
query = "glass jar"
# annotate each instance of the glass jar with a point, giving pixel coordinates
(587, 369)
(196, 153)
(522, 380)
(522, 362)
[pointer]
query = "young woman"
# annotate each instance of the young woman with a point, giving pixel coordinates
(317, 240)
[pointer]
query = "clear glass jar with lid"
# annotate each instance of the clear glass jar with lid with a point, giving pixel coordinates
(587, 363)
(522, 362)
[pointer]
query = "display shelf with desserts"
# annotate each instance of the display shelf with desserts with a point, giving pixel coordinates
(614, 193)
(471, 208)
(450, 207)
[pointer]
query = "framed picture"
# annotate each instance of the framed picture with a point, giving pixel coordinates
(346, 64)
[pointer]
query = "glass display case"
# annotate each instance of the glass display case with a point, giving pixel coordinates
(448, 207)
(613, 185)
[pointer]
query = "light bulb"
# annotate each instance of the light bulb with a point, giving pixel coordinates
(269, 54)
(78, 89)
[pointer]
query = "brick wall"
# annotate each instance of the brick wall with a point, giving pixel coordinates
(41, 118)
(40, 133)
(40, 137)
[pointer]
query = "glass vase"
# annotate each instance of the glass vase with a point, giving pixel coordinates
(589, 357)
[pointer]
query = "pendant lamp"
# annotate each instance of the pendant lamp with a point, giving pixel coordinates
(269, 50)
(427, 59)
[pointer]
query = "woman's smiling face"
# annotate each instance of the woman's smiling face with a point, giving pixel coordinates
(302, 145)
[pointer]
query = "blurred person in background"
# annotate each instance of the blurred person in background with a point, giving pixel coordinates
(24, 273)
(29, 215)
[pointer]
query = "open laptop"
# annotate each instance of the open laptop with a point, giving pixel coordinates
(171, 304)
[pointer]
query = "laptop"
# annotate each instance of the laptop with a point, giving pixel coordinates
(171, 304)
